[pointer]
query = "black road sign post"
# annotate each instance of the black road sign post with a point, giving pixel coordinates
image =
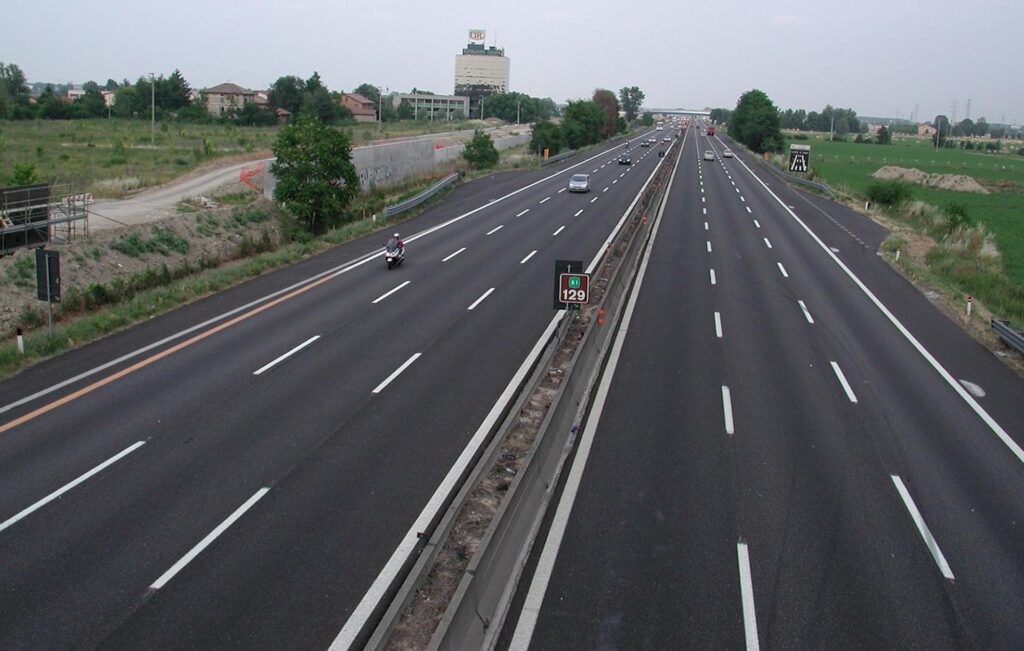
(48, 281)
(566, 267)
(799, 158)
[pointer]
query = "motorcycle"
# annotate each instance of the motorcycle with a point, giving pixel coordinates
(393, 255)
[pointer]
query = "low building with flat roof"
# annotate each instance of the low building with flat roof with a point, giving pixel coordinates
(434, 107)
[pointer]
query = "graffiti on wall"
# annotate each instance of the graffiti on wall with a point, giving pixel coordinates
(375, 175)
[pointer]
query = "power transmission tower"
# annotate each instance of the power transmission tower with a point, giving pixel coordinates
(954, 110)
(968, 116)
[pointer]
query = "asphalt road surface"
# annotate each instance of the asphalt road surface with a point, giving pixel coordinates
(775, 461)
(245, 471)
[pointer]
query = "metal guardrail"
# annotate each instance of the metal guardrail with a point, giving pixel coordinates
(558, 157)
(412, 202)
(1013, 337)
(796, 179)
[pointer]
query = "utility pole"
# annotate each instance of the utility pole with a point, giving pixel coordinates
(832, 128)
(518, 106)
(152, 108)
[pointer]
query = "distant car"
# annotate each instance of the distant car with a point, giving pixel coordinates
(645, 143)
(625, 160)
(652, 140)
(666, 139)
(579, 183)
(727, 153)
(709, 155)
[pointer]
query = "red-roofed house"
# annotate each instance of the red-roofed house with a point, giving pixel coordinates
(362, 108)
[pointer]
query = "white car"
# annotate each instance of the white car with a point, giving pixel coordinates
(727, 153)
(579, 183)
(709, 155)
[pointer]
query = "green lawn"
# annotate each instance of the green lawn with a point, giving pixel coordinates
(848, 166)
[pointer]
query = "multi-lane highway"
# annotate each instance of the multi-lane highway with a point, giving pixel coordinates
(781, 452)
(251, 470)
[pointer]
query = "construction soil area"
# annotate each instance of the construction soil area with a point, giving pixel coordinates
(955, 182)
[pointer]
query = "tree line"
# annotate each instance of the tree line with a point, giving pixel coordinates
(584, 122)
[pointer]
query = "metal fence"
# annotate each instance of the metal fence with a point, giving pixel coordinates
(412, 202)
(1013, 337)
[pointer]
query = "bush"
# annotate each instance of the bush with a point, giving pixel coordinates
(956, 217)
(888, 193)
(480, 151)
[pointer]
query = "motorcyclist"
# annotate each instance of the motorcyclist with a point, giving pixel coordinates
(397, 243)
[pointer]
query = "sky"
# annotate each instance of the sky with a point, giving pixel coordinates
(882, 58)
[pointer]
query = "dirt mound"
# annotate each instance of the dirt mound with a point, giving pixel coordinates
(955, 182)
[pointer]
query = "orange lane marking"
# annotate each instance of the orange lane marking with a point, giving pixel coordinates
(158, 356)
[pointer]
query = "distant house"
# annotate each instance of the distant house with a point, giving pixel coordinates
(362, 108)
(925, 130)
(75, 93)
(224, 97)
(873, 128)
(283, 115)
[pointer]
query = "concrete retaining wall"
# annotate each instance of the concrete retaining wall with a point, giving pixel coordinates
(391, 162)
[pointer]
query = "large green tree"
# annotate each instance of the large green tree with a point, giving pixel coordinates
(755, 122)
(315, 175)
(609, 105)
(631, 99)
(582, 122)
(546, 135)
(14, 93)
(480, 151)
(287, 93)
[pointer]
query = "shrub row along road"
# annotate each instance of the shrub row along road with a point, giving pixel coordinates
(774, 461)
(246, 471)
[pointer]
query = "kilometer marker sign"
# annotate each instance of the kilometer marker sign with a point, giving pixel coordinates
(573, 288)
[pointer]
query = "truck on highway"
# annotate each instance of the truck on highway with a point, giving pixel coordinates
(711, 131)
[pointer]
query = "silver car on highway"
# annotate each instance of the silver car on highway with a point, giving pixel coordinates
(579, 183)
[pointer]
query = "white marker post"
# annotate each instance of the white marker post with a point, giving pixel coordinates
(969, 302)
(21, 341)
(898, 249)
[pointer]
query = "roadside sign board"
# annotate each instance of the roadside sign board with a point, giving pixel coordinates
(574, 288)
(48, 275)
(799, 158)
(571, 284)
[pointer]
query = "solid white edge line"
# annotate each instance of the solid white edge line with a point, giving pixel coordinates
(386, 294)
(68, 486)
(495, 230)
(532, 253)
(747, 596)
(842, 380)
(453, 255)
(730, 425)
(996, 428)
(545, 564)
(922, 528)
(714, 280)
(377, 590)
(718, 324)
(291, 352)
(398, 371)
(782, 270)
(560, 229)
(334, 272)
(578, 213)
(205, 542)
(523, 213)
(481, 299)
(807, 313)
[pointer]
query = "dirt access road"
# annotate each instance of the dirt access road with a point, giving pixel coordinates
(160, 202)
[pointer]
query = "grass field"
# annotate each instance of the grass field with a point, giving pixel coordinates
(848, 166)
(111, 158)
